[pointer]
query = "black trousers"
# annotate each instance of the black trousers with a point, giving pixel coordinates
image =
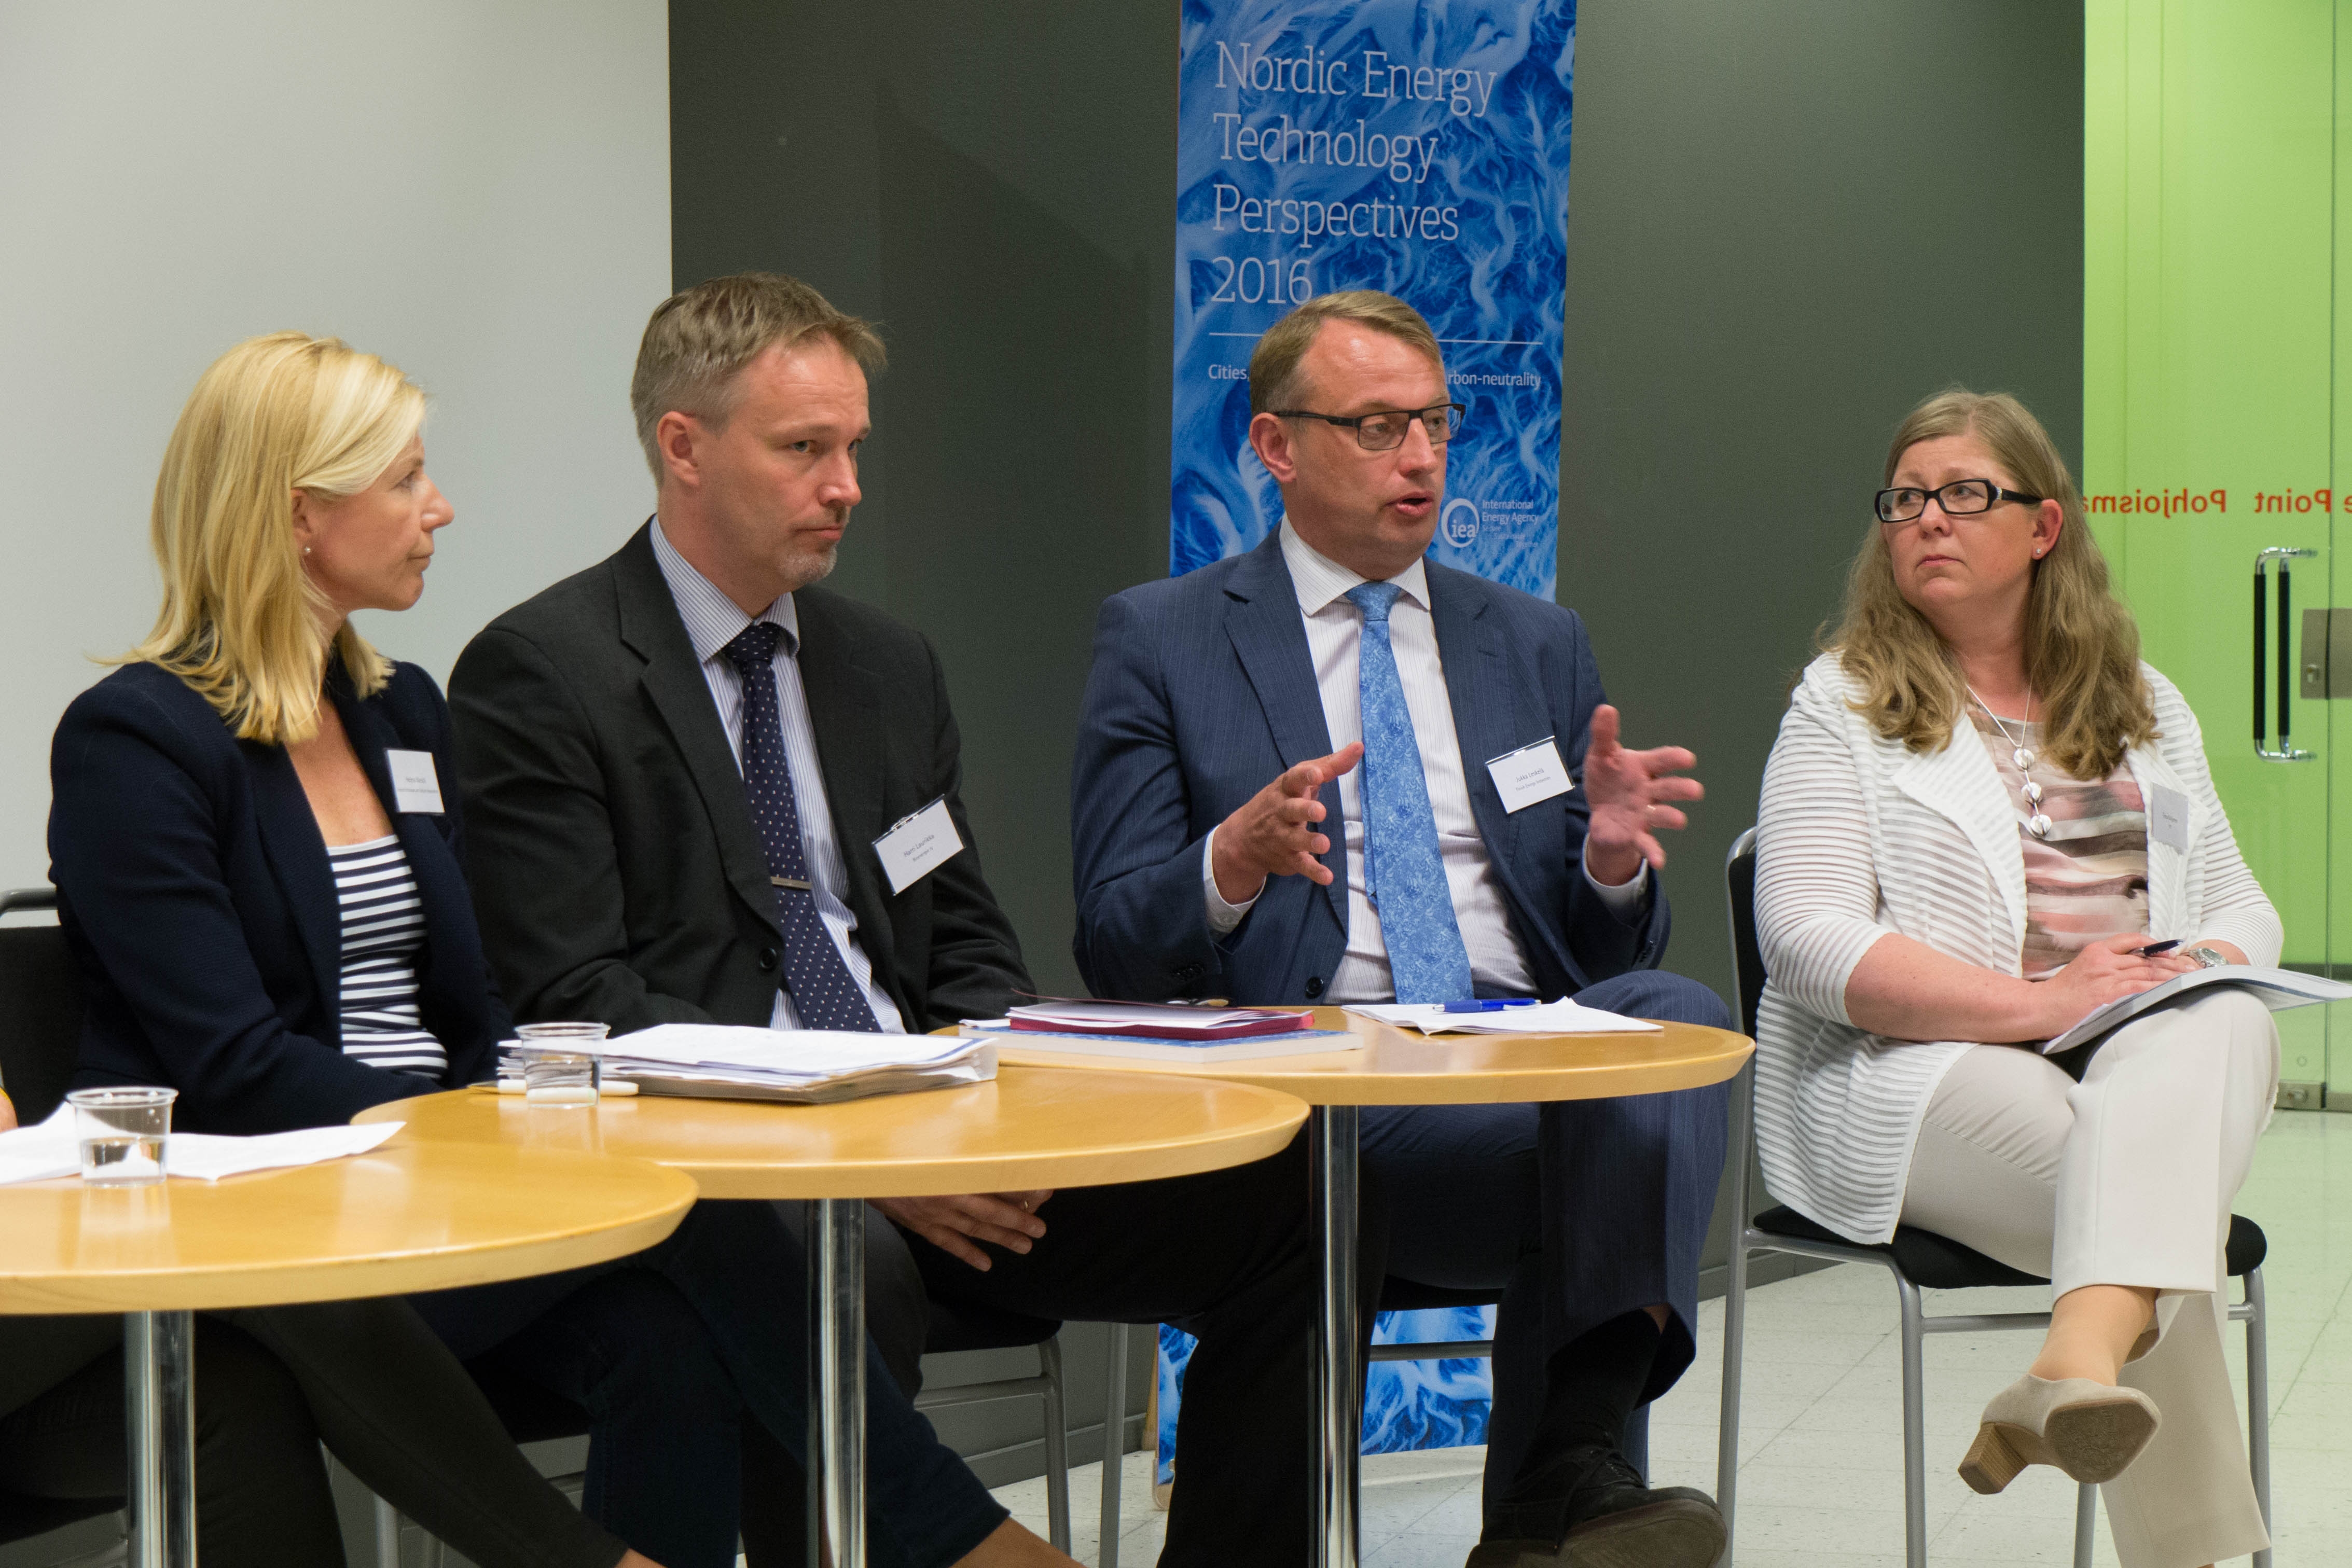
(365, 1377)
(1225, 1256)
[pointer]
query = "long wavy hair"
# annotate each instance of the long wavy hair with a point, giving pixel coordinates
(241, 620)
(2082, 646)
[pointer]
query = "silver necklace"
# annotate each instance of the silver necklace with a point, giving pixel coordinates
(2036, 822)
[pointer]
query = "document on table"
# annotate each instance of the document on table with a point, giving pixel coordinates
(808, 1066)
(54, 1149)
(1563, 1017)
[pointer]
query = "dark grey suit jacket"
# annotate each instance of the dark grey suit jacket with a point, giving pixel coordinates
(615, 863)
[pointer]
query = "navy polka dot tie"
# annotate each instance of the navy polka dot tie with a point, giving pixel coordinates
(824, 994)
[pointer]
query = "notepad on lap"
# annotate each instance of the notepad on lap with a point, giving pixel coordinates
(2279, 989)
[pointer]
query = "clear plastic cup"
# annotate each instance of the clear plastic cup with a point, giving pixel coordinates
(552, 1075)
(125, 1131)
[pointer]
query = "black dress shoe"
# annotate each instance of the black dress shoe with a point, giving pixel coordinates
(1615, 1521)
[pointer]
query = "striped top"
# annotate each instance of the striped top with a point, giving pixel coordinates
(384, 931)
(2088, 880)
(1859, 838)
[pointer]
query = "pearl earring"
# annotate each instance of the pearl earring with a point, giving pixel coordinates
(306, 550)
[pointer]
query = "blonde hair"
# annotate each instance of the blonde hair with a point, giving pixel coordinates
(2082, 646)
(699, 339)
(1274, 364)
(240, 617)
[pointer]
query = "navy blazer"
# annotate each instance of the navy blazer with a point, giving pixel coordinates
(1204, 691)
(194, 889)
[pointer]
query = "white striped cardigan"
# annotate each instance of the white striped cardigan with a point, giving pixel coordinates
(1858, 837)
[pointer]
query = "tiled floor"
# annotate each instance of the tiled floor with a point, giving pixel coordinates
(1820, 1441)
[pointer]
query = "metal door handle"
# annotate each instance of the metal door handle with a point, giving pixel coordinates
(2286, 751)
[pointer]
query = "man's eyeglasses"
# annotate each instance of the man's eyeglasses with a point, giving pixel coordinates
(1960, 498)
(1385, 430)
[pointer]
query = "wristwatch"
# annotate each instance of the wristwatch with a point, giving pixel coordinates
(2205, 958)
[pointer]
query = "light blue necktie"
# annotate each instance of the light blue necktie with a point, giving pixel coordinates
(1403, 867)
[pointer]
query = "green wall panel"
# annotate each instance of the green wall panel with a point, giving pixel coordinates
(2210, 171)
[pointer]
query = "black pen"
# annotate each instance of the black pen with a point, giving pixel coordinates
(2152, 950)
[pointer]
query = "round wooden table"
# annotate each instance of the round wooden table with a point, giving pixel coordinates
(1404, 1067)
(400, 1219)
(1030, 1127)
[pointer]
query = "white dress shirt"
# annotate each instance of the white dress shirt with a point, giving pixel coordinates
(713, 621)
(1335, 630)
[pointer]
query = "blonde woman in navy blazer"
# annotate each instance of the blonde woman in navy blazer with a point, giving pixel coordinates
(204, 795)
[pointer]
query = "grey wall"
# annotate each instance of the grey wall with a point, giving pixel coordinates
(1787, 225)
(477, 190)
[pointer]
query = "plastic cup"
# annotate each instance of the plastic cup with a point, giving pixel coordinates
(554, 1076)
(125, 1131)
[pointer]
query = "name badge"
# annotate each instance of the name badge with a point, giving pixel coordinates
(2167, 818)
(1530, 774)
(919, 845)
(415, 787)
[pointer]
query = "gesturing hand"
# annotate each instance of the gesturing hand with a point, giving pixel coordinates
(1625, 792)
(1008, 1219)
(1273, 833)
(2105, 971)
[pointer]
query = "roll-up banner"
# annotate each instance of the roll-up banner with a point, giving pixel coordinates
(1416, 148)
(1420, 149)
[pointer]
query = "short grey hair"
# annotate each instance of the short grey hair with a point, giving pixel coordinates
(700, 339)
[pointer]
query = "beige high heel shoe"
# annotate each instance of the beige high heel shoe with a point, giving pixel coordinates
(2089, 1430)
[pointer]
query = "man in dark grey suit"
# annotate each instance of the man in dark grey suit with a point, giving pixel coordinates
(675, 765)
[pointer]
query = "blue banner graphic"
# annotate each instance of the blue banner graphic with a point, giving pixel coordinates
(1393, 144)
(1407, 1404)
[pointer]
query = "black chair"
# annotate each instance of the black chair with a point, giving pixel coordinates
(1919, 1260)
(40, 1025)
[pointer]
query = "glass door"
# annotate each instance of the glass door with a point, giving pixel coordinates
(2212, 359)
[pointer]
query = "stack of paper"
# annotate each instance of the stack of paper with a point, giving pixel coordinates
(1158, 1020)
(1536, 1018)
(806, 1066)
(54, 1149)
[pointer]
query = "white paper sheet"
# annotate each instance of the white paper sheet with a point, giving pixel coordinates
(208, 1158)
(1563, 1017)
(54, 1149)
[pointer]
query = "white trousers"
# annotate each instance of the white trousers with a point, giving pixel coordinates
(2125, 1179)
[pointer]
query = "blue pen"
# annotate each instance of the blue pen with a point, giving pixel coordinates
(1490, 1005)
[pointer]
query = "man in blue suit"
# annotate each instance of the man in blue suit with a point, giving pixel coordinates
(1334, 676)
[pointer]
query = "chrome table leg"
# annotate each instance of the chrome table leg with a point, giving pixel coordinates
(160, 1394)
(837, 1373)
(1339, 1439)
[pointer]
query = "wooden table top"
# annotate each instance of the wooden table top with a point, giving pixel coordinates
(1031, 1127)
(414, 1217)
(1405, 1067)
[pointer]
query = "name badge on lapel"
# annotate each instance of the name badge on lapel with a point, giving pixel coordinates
(1530, 774)
(919, 845)
(415, 787)
(2168, 818)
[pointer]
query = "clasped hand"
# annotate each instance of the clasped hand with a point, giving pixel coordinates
(1006, 1219)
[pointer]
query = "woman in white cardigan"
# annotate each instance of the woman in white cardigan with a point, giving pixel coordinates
(1982, 809)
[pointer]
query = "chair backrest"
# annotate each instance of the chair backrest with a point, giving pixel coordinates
(41, 1007)
(1747, 954)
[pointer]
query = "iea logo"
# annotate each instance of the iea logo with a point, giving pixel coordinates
(1459, 522)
